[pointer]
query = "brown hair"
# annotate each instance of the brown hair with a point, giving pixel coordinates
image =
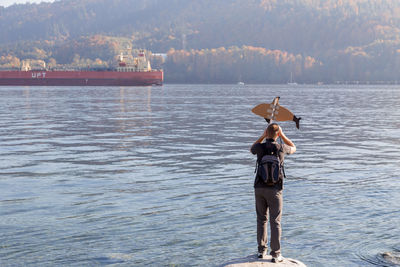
(272, 130)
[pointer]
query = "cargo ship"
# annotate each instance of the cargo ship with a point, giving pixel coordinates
(136, 73)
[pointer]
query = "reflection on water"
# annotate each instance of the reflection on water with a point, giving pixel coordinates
(162, 175)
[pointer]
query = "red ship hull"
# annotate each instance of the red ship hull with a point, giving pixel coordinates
(80, 78)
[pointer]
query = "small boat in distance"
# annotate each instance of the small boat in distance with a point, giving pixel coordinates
(240, 83)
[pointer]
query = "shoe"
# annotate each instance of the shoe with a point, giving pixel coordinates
(262, 255)
(276, 259)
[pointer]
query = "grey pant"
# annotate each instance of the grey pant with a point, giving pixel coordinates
(269, 200)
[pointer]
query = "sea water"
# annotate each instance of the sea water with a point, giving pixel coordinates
(163, 176)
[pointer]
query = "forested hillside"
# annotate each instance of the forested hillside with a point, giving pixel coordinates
(215, 41)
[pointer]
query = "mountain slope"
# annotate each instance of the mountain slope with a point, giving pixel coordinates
(298, 26)
(359, 36)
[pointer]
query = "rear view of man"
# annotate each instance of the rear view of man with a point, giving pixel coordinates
(268, 187)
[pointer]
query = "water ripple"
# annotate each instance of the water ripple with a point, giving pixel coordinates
(151, 176)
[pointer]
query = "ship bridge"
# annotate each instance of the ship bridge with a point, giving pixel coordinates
(138, 64)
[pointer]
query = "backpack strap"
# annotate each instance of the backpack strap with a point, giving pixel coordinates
(282, 161)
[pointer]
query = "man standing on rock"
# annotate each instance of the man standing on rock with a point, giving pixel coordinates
(268, 187)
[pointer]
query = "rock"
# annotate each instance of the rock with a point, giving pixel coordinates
(392, 257)
(253, 261)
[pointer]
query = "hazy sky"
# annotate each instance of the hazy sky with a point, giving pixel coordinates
(10, 2)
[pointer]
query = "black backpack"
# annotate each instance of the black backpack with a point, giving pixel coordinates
(270, 168)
